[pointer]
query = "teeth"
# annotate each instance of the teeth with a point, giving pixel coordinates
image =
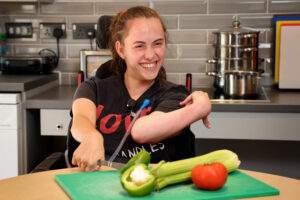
(148, 65)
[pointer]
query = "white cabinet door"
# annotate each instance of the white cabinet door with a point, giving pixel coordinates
(55, 122)
(8, 153)
(9, 116)
(10, 127)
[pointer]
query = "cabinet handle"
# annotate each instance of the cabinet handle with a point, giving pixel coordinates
(59, 126)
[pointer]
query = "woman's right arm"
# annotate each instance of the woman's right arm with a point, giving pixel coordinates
(91, 147)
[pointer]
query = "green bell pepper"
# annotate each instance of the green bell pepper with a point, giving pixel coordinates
(138, 181)
(141, 157)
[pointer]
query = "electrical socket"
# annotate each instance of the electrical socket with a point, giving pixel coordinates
(80, 30)
(18, 30)
(46, 30)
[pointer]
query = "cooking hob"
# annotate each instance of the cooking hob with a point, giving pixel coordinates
(219, 97)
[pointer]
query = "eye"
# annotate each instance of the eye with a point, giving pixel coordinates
(139, 45)
(158, 43)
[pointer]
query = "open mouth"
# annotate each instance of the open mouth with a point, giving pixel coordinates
(149, 66)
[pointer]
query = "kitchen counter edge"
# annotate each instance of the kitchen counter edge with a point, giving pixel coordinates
(283, 101)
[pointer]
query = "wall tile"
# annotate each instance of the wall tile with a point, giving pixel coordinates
(184, 65)
(187, 37)
(18, 8)
(74, 50)
(262, 36)
(237, 6)
(269, 66)
(171, 51)
(68, 8)
(205, 22)
(211, 37)
(180, 7)
(265, 52)
(113, 8)
(199, 80)
(257, 21)
(81, 19)
(269, 35)
(68, 65)
(284, 6)
(171, 22)
(195, 51)
(174, 78)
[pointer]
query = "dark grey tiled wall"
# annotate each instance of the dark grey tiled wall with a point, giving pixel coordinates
(190, 24)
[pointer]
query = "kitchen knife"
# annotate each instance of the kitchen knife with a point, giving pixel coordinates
(115, 165)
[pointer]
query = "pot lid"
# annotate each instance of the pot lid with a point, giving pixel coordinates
(236, 29)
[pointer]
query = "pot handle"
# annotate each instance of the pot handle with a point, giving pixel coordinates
(249, 49)
(212, 61)
(249, 35)
(211, 73)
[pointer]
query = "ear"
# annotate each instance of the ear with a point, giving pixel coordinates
(120, 49)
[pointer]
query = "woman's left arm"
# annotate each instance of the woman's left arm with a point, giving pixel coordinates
(160, 125)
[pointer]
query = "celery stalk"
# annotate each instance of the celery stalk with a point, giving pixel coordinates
(172, 179)
(224, 156)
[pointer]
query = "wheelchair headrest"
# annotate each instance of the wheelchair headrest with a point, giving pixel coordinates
(102, 33)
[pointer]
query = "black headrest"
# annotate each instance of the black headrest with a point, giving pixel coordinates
(102, 34)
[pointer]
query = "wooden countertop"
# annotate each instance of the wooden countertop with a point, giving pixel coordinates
(42, 185)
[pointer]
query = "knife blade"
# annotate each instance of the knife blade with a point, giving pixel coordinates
(115, 165)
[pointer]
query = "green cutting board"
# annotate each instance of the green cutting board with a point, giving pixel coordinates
(106, 185)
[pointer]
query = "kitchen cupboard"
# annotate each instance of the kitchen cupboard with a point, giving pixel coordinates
(55, 122)
(10, 129)
(250, 126)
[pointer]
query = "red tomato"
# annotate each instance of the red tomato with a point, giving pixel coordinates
(209, 176)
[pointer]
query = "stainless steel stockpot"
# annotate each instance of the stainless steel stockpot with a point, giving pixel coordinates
(237, 36)
(236, 52)
(218, 79)
(241, 84)
(236, 49)
(236, 39)
(228, 64)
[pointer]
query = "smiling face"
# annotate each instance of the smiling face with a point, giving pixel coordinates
(143, 48)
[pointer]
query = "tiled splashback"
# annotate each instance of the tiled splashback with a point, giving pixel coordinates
(190, 24)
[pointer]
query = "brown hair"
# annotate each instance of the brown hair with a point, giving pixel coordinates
(119, 31)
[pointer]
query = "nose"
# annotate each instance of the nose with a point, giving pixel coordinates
(149, 53)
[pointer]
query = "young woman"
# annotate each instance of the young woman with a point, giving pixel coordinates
(101, 113)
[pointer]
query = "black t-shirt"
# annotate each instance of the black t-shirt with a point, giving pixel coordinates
(110, 96)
